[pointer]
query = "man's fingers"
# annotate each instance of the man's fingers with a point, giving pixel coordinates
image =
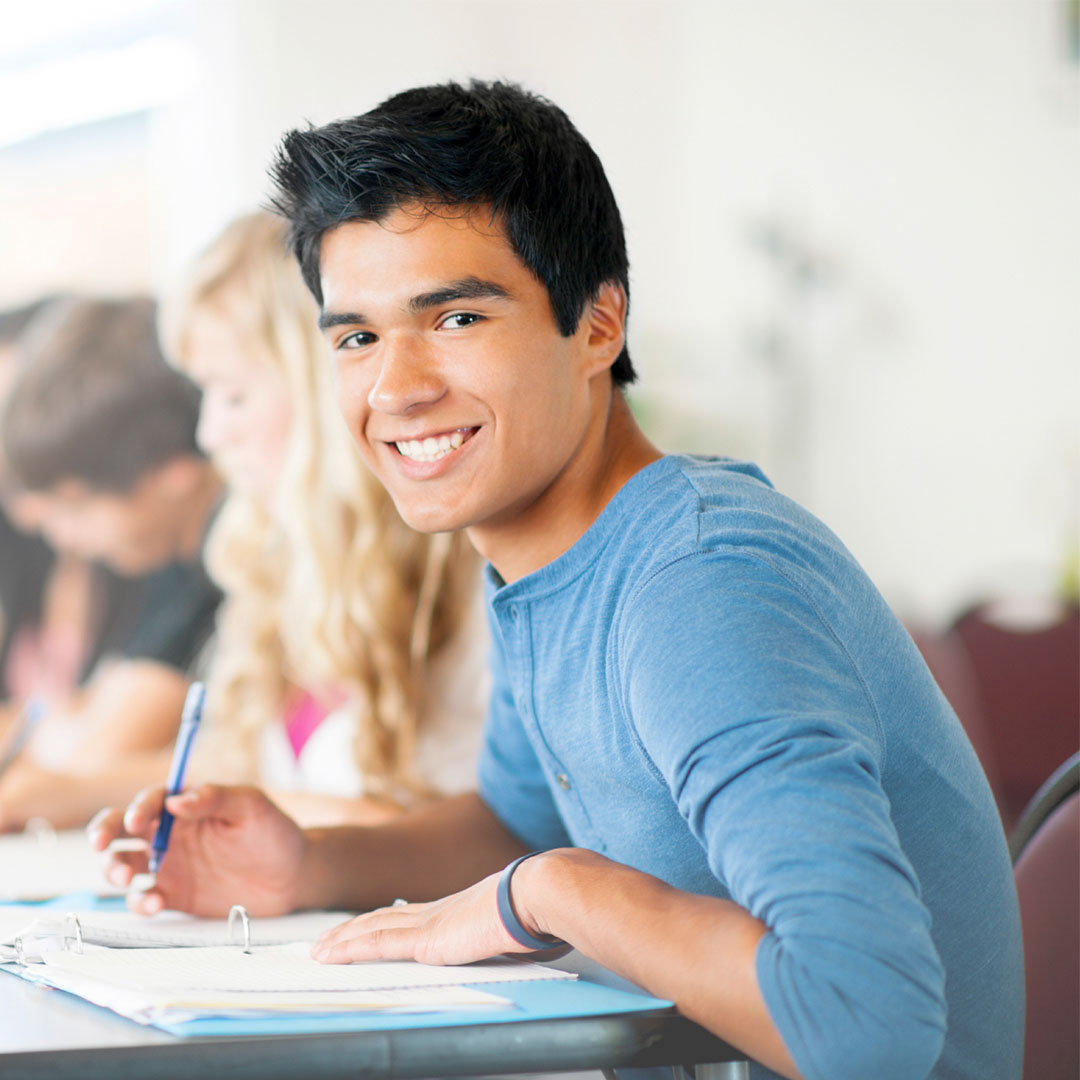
(211, 800)
(397, 915)
(386, 943)
(106, 826)
(143, 811)
(124, 865)
(149, 902)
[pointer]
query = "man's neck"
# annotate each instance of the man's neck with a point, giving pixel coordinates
(205, 496)
(614, 449)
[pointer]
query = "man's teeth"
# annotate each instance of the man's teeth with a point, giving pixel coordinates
(430, 449)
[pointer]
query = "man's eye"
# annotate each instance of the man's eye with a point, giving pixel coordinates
(459, 320)
(357, 340)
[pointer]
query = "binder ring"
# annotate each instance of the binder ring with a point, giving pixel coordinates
(71, 919)
(20, 951)
(238, 911)
(41, 828)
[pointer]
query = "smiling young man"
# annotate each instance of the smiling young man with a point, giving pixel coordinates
(749, 795)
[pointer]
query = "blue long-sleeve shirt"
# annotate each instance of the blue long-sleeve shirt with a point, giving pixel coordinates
(707, 687)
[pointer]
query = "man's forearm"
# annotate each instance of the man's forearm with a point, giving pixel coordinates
(697, 951)
(430, 852)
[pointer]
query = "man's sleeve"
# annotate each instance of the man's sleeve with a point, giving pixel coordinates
(175, 620)
(510, 776)
(757, 718)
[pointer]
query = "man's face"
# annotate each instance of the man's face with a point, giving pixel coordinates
(460, 392)
(133, 533)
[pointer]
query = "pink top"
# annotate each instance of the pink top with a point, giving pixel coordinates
(301, 720)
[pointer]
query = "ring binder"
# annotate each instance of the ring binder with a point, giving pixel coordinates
(238, 911)
(71, 919)
(41, 828)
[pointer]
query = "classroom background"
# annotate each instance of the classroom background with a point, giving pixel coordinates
(853, 229)
(853, 224)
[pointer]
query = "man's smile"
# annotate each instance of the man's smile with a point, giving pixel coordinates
(434, 446)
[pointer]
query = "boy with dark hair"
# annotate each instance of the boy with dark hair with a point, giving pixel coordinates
(747, 792)
(25, 559)
(98, 435)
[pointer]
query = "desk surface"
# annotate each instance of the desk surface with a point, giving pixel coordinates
(50, 1034)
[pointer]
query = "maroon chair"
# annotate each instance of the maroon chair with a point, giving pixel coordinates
(1046, 852)
(948, 662)
(1029, 688)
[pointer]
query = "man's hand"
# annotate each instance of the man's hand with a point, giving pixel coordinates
(455, 930)
(228, 846)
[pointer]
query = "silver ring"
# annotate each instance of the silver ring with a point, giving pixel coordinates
(400, 903)
(238, 911)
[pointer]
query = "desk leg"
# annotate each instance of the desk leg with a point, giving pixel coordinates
(723, 1070)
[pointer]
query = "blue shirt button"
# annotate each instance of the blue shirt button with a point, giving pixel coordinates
(563, 781)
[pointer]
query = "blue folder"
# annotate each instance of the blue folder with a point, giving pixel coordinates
(541, 1000)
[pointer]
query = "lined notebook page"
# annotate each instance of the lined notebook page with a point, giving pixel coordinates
(278, 968)
(173, 1006)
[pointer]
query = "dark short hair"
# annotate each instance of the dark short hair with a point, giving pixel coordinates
(486, 144)
(15, 321)
(94, 400)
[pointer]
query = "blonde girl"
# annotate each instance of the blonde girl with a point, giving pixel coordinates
(348, 677)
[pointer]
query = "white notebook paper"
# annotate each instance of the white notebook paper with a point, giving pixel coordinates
(278, 968)
(170, 1006)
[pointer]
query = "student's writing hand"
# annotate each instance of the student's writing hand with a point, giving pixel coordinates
(457, 929)
(228, 846)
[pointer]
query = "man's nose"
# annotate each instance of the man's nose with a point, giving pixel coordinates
(408, 376)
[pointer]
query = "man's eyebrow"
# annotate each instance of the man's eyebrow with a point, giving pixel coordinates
(339, 318)
(468, 288)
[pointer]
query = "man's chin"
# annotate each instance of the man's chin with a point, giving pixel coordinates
(131, 566)
(430, 519)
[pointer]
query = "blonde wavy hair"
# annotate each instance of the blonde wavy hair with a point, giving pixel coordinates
(326, 589)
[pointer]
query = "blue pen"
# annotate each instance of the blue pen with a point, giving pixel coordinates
(189, 725)
(23, 728)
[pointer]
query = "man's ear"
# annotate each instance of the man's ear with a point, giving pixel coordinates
(604, 321)
(180, 475)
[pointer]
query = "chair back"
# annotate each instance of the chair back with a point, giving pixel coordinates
(1046, 850)
(1029, 685)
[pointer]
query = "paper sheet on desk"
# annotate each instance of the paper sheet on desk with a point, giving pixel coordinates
(37, 866)
(168, 1007)
(278, 968)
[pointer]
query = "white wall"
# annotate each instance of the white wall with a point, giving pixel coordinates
(924, 156)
